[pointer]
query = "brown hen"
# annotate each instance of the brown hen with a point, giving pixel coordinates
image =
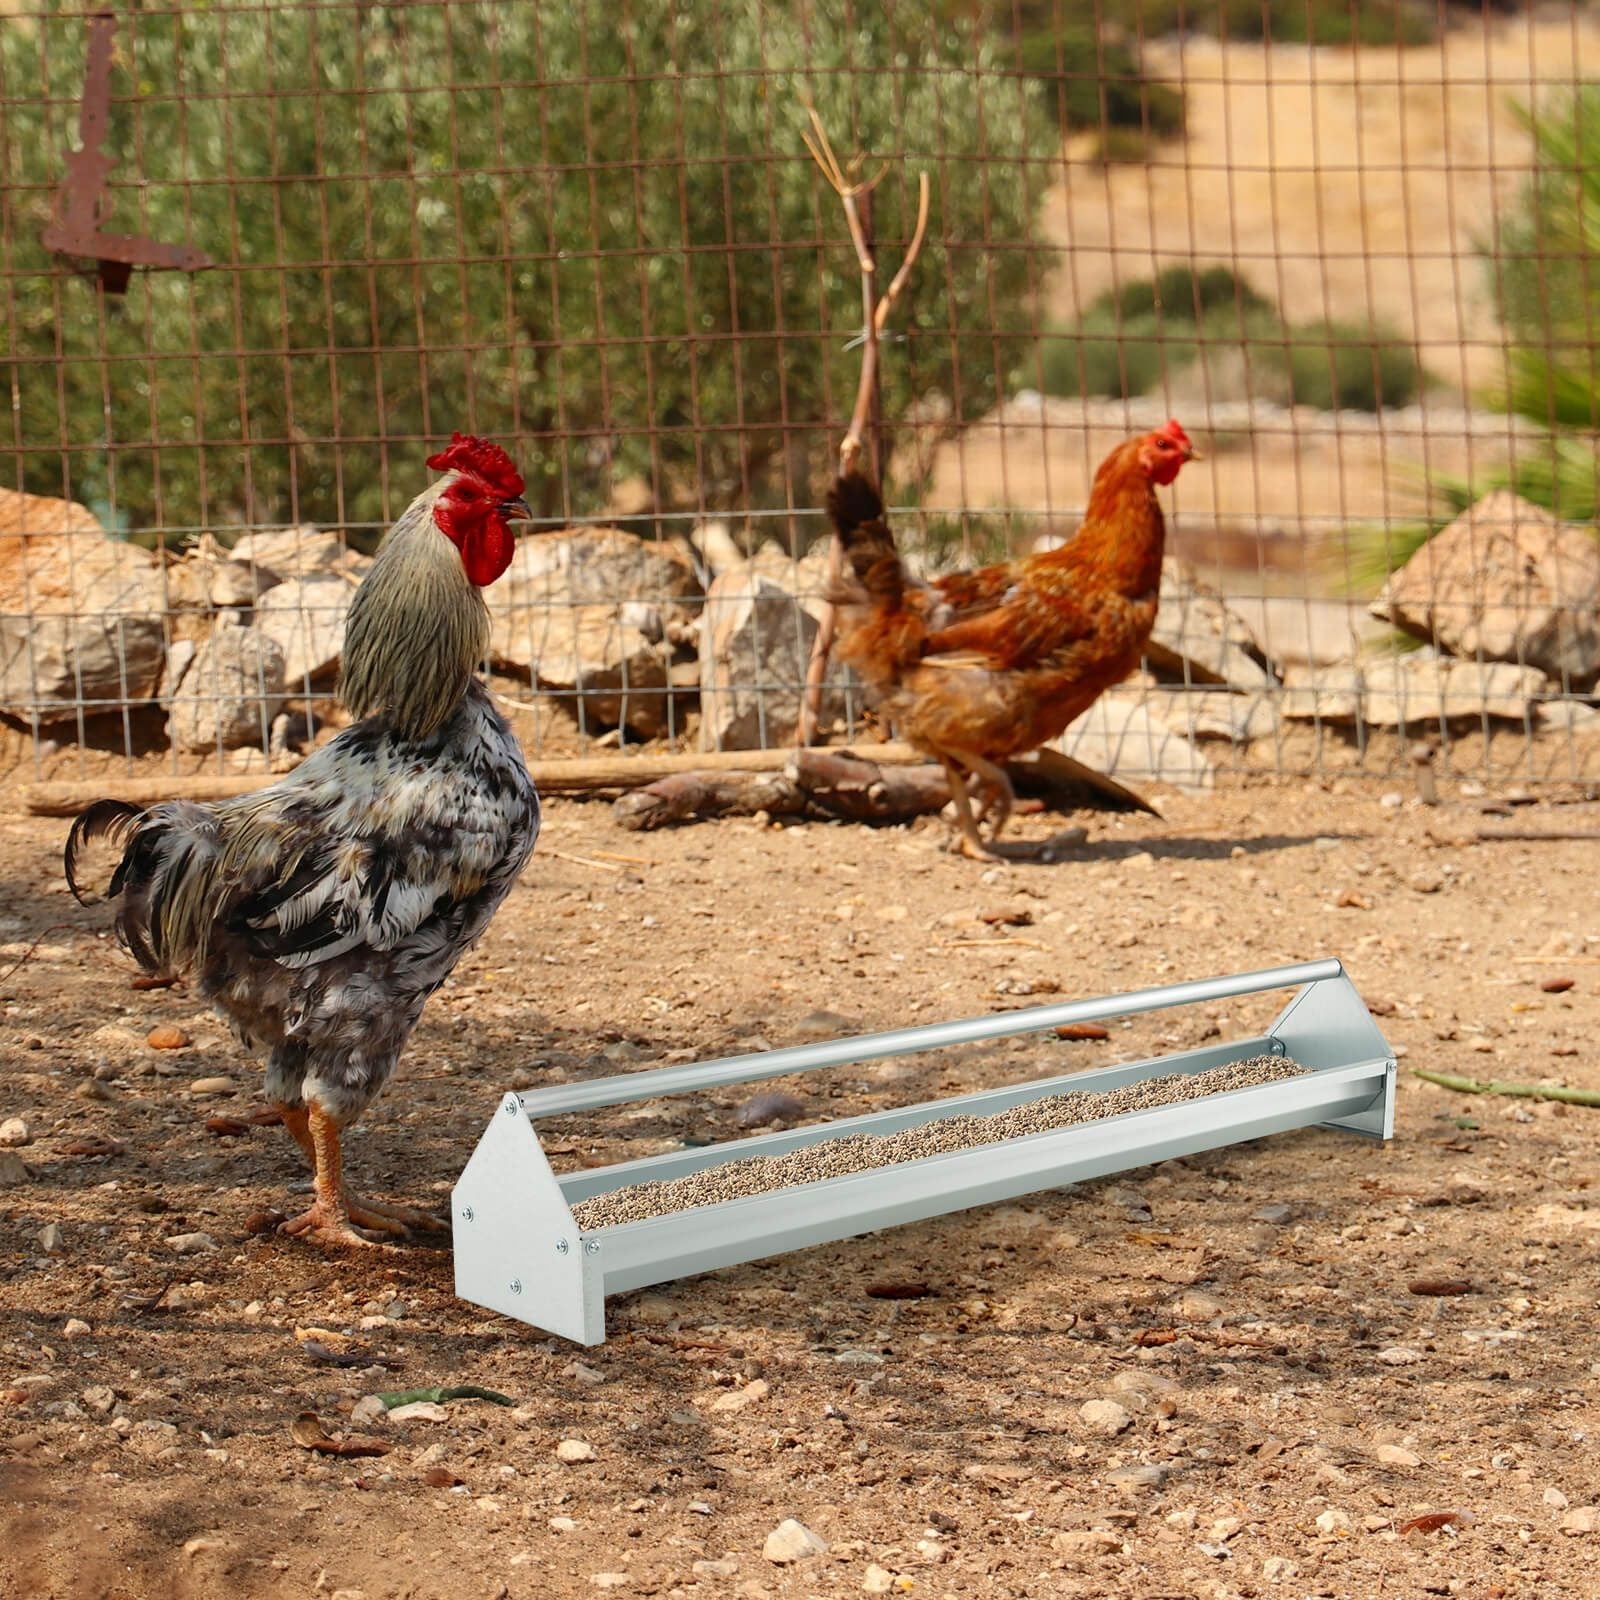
(976, 667)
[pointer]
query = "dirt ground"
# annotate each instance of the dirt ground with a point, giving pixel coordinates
(1288, 1398)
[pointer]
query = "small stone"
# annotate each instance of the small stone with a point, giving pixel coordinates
(792, 1541)
(1334, 1522)
(1275, 1569)
(348, 1594)
(51, 1240)
(1581, 1519)
(574, 1451)
(738, 1399)
(1104, 1416)
(1277, 1214)
(420, 1411)
(191, 1244)
(76, 1328)
(1399, 1355)
(1549, 986)
(13, 1170)
(930, 1551)
(1142, 1476)
(203, 1088)
(1395, 1455)
(1195, 1307)
(92, 1089)
(771, 1108)
(579, 1373)
(14, 1133)
(563, 1525)
(715, 1569)
(823, 1025)
(1082, 1542)
(367, 1410)
(610, 1580)
(877, 1580)
(98, 1397)
(201, 1543)
(164, 1036)
(1552, 1497)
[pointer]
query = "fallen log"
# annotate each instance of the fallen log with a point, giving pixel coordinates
(822, 783)
(1064, 782)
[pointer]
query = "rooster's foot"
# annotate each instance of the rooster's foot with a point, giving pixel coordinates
(334, 1226)
(400, 1221)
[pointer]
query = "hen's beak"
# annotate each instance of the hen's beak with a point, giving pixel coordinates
(516, 510)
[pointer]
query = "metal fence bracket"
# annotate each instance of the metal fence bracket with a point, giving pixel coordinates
(519, 1249)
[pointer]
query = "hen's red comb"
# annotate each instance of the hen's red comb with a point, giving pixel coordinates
(1173, 431)
(484, 460)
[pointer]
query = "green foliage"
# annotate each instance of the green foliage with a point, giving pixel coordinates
(1324, 22)
(556, 225)
(1541, 268)
(1340, 366)
(1133, 338)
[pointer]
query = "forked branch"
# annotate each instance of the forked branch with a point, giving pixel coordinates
(845, 182)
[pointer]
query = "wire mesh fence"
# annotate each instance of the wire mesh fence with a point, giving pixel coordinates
(260, 260)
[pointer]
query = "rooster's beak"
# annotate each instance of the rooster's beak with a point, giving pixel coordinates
(516, 510)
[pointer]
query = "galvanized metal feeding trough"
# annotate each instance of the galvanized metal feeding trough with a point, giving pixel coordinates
(520, 1250)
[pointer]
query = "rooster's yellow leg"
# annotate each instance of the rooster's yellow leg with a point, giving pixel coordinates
(377, 1215)
(966, 841)
(332, 1219)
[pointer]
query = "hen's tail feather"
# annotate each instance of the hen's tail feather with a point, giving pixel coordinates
(857, 512)
(109, 820)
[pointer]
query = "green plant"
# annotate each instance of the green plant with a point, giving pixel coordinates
(1134, 337)
(1341, 366)
(571, 227)
(1541, 269)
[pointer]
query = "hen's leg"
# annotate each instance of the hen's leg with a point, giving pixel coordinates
(396, 1221)
(332, 1218)
(999, 797)
(966, 841)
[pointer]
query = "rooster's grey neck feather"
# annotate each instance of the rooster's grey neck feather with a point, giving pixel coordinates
(418, 628)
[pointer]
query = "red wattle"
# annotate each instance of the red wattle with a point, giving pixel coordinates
(487, 550)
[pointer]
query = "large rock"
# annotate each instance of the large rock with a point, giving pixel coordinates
(298, 552)
(305, 618)
(1418, 687)
(594, 617)
(755, 645)
(1506, 581)
(80, 613)
(1214, 715)
(207, 577)
(1123, 735)
(1197, 639)
(231, 691)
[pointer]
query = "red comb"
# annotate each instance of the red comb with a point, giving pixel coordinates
(1173, 431)
(484, 460)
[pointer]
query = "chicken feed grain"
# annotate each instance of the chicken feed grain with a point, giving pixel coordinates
(737, 1180)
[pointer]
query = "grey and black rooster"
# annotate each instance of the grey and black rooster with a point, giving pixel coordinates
(319, 914)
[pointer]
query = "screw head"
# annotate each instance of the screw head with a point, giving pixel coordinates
(591, 1247)
(467, 1213)
(513, 1106)
(516, 1286)
(562, 1247)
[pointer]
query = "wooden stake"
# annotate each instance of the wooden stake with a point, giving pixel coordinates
(874, 317)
